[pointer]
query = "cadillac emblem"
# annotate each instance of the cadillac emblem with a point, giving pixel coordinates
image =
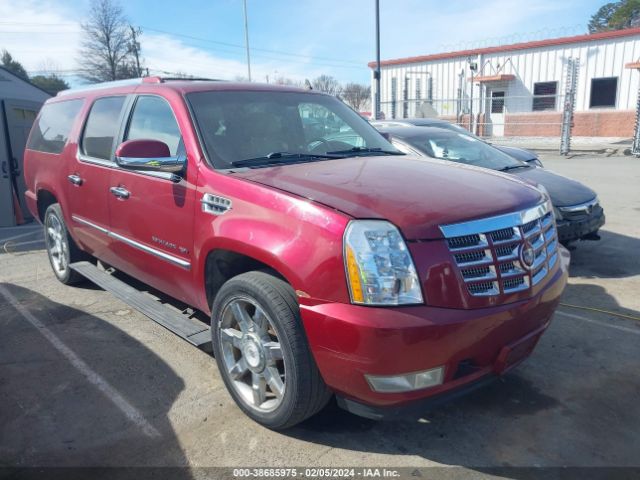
(527, 255)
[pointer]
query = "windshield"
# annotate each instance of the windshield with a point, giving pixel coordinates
(462, 148)
(259, 128)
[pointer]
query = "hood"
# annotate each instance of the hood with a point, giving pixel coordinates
(415, 194)
(517, 153)
(563, 191)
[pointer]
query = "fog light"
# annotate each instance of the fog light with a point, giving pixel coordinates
(407, 382)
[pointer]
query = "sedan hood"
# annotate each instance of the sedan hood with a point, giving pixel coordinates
(415, 194)
(517, 153)
(563, 191)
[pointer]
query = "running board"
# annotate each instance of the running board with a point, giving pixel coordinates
(192, 330)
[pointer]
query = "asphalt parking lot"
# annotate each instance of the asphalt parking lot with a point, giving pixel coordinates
(86, 381)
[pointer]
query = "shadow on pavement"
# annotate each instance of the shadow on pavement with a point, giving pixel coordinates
(574, 402)
(51, 414)
(613, 256)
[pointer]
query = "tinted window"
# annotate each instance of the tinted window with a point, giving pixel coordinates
(153, 119)
(51, 132)
(102, 127)
(603, 92)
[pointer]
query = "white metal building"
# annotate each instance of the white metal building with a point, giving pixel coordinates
(519, 89)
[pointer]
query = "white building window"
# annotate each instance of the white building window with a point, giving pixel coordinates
(603, 92)
(544, 96)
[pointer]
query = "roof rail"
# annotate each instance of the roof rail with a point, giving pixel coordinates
(99, 86)
(133, 81)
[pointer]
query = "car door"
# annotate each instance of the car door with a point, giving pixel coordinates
(88, 175)
(151, 213)
(19, 116)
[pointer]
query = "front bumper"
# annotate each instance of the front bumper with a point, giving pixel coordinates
(349, 341)
(571, 229)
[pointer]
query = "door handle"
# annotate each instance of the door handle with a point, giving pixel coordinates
(120, 192)
(75, 179)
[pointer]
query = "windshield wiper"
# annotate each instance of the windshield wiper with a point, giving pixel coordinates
(274, 158)
(513, 167)
(356, 150)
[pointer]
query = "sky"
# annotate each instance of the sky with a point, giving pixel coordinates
(288, 38)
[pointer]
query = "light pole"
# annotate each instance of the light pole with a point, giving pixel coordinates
(246, 38)
(376, 74)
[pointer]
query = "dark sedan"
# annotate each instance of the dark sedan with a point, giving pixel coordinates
(577, 209)
(521, 154)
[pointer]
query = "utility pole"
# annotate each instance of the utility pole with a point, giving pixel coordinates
(376, 74)
(135, 48)
(246, 38)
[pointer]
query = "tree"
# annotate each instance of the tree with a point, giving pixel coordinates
(616, 16)
(327, 84)
(356, 95)
(13, 66)
(626, 16)
(50, 83)
(110, 49)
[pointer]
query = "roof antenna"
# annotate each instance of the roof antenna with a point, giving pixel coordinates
(307, 84)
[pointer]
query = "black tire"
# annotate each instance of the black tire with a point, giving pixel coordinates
(70, 251)
(305, 393)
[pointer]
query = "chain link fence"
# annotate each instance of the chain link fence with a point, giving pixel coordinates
(493, 115)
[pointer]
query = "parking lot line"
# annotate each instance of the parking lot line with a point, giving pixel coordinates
(118, 400)
(603, 324)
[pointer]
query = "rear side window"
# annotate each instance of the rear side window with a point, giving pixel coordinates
(51, 131)
(153, 119)
(102, 127)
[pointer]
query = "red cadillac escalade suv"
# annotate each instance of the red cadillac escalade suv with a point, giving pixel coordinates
(330, 263)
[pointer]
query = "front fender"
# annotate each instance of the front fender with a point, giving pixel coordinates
(300, 240)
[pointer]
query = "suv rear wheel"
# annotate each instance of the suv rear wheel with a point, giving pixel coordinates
(262, 351)
(61, 248)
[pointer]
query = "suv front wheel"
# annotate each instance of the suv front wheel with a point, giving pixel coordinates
(262, 351)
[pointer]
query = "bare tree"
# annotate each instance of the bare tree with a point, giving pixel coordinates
(110, 49)
(327, 84)
(356, 95)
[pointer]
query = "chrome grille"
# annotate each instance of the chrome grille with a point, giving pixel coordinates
(488, 251)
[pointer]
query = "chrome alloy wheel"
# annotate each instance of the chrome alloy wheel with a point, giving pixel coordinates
(252, 354)
(57, 245)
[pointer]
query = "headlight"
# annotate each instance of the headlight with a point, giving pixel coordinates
(378, 265)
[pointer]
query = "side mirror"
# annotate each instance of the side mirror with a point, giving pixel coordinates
(150, 155)
(387, 136)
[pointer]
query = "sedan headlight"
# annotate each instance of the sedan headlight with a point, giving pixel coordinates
(378, 265)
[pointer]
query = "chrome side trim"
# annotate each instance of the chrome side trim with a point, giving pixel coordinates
(152, 251)
(109, 164)
(498, 222)
(90, 224)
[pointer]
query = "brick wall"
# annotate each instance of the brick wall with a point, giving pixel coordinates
(534, 124)
(610, 123)
(606, 123)
(594, 123)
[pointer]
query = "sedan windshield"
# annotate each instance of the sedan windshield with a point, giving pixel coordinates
(462, 148)
(260, 128)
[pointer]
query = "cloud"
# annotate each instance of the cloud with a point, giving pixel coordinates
(39, 34)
